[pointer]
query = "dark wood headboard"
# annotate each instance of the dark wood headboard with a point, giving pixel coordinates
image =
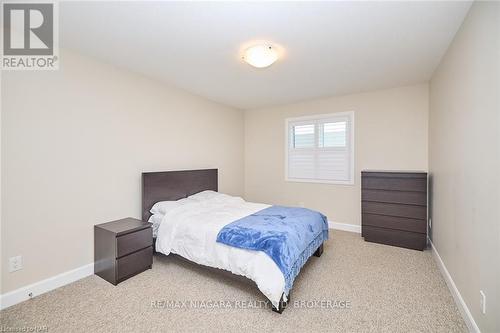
(174, 185)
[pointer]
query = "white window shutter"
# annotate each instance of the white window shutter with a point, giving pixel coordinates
(301, 164)
(320, 148)
(333, 165)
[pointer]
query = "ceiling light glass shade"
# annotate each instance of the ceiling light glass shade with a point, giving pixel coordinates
(260, 56)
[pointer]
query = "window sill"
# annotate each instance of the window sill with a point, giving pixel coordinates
(320, 181)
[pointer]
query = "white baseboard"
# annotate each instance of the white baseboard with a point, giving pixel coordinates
(345, 227)
(462, 307)
(41, 287)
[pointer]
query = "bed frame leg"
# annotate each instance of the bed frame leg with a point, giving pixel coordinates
(319, 251)
(282, 304)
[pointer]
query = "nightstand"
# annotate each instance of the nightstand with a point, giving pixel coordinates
(122, 249)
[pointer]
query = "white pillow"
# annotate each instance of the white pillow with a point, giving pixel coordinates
(204, 195)
(155, 219)
(163, 207)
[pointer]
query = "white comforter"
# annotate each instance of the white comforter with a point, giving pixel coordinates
(191, 231)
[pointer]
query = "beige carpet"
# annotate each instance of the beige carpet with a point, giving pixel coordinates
(389, 289)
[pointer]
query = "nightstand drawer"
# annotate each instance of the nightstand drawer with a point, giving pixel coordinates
(134, 263)
(133, 241)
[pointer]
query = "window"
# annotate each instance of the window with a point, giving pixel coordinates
(320, 148)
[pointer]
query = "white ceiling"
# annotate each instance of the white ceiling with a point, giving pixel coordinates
(330, 48)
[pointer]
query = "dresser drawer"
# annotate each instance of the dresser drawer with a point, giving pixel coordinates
(410, 240)
(400, 210)
(134, 263)
(393, 222)
(395, 184)
(134, 241)
(411, 198)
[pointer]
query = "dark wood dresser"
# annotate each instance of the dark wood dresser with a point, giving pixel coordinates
(122, 249)
(394, 208)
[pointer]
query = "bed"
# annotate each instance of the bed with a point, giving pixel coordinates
(191, 219)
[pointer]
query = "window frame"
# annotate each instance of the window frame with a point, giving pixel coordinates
(350, 145)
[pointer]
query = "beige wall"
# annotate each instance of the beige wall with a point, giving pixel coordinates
(390, 133)
(464, 147)
(74, 144)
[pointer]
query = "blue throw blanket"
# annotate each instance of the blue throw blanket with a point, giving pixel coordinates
(289, 235)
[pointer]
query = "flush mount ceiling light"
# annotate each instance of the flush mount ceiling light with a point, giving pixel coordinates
(260, 56)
